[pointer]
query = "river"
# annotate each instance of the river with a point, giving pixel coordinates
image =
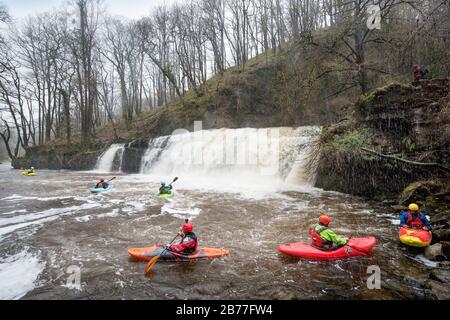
(51, 225)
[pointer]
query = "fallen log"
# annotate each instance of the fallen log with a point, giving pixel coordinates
(413, 163)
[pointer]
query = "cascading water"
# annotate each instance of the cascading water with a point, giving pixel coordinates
(111, 160)
(250, 155)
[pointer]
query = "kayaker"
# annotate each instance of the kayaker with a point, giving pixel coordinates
(412, 218)
(29, 171)
(188, 243)
(165, 189)
(102, 184)
(324, 238)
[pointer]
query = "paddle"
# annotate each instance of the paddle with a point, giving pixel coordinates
(153, 260)
(174, 180)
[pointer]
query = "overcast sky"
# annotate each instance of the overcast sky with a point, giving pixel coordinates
(128, 8)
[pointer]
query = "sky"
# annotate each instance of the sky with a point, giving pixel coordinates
(128, 8)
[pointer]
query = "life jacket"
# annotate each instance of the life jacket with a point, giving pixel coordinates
(414, 223)
(317, 240)
(103, 185)
(417, 70)
(193, 249)
(165, 190)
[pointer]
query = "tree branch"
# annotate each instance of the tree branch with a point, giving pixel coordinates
(413, 163)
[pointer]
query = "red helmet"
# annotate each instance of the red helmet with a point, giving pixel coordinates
(187, 227)
(102, 179)
(325, 220)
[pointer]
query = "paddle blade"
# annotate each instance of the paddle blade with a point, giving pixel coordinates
(150, 264)
(112, 179)
(176, 178)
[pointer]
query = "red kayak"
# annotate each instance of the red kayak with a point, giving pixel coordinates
(355, 247)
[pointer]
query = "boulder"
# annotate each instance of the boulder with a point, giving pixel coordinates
(435, 252)
(441, 275)
(441, 235)
(424, 193)
(440, 291)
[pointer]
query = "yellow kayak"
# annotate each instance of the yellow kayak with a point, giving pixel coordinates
(415, 238)
(29, 174)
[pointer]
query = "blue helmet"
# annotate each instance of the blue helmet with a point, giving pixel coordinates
(163, 183)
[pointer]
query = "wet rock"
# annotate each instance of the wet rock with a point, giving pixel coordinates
(398, 207)
(444, 264)
(421, 192)
(441, 275)
(435, 252)
(282, 295)
(403, 289)
(414, 282)
(82, 161)
(75, 156)
(440, 291)
(441, 234)
(138, 144)
(446, 249)
(131, 161)
(405, 121)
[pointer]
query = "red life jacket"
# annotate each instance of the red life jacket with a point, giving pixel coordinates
(414, 223)
(317, 240)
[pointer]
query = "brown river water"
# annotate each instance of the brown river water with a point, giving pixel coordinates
(52, 223)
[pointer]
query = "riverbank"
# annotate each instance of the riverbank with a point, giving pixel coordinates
(395, 148)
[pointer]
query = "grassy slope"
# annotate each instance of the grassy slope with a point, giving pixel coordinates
(266, 93)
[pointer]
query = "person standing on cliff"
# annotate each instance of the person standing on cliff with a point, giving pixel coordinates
(412, 218)
(420, 72)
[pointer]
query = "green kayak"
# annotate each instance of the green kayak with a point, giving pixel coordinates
(167, 195)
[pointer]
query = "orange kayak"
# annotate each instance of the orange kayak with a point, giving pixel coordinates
(146, 254)
(415, 238)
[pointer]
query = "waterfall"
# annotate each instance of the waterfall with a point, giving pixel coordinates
(111, 160)
(245, 154)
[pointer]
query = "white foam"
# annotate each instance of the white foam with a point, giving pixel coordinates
(134, 207)
(17, 197)
(45, 214)
(421, 258)
(86, 218)
(38, 219)
(14, 212)
(180, 213)
(18, 275)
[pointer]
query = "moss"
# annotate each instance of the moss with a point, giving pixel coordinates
(353, 140)
(366, 99)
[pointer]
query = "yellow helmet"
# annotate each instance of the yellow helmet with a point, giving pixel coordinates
(413, 207)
